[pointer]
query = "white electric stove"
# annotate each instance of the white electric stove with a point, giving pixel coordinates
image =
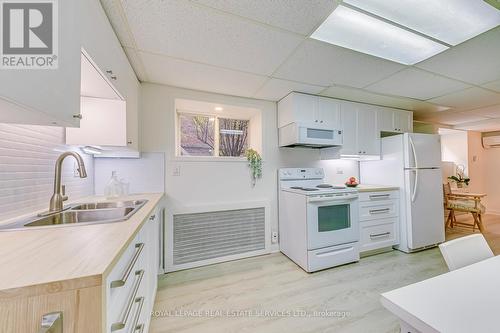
(318, 222)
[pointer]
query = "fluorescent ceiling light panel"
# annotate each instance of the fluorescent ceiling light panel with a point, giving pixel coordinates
(450, 21)
(354, 30)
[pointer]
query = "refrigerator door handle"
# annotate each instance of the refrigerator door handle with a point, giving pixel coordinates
(414, 151)
(415, 186)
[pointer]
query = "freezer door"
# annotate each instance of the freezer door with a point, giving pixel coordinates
(422, 150)
(424, 202)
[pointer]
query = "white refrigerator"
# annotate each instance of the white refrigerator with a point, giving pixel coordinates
(412, 162)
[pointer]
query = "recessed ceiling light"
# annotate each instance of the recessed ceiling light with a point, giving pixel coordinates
(361, 32)
(450, 21)
(218, 108)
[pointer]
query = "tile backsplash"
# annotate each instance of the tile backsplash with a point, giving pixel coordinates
(27, 158)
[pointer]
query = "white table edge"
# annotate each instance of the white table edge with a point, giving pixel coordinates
(405, 316)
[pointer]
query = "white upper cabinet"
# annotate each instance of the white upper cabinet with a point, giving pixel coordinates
(47, 96)
(104, 123)
(395, 121)
(101, 45)
(329, 112)
(361, 135)
(309, 109)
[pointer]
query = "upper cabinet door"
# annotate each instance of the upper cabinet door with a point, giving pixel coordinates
(368, 133)
(349, 116)
(385, 119)
(403, 121)
(329, 112)
(298, 108)
(45, 96)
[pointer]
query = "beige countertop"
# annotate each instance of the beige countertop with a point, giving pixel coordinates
(77, 255)
(375, 188)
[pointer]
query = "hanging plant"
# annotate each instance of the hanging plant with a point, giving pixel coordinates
(255, 164)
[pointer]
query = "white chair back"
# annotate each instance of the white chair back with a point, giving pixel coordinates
(464, 251)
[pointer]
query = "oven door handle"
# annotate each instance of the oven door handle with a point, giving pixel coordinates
(333, 199)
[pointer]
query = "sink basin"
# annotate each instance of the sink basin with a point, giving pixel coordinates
(94, 216)
(107, 205)
(82, 214)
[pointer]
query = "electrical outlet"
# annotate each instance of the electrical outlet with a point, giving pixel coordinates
(177, 171)
(340, 171)
(274, 237)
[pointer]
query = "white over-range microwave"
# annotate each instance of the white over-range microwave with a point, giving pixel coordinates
(314, 136)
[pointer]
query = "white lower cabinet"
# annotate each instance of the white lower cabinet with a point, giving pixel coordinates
(379, 220)
(131, 284)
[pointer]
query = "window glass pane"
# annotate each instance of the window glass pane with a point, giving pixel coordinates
(332, 218)
(233, 137)
(197, 135)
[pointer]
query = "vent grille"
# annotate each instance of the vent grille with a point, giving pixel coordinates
(210, 235)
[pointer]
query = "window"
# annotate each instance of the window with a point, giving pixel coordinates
(209, 130)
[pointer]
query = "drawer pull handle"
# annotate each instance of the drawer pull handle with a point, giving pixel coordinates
(380, 211)
(379, 196)
(123, 280)
(126, 313)
(135, 326)
(380, 235)
(152, 217)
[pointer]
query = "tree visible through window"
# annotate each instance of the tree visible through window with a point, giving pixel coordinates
(198, 133)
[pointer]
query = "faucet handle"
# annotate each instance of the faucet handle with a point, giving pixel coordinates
(63, 190)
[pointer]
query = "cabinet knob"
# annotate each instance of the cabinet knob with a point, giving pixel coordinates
(316, 121)
(113, 77)
(109, 71)
(78, 116)
(321, 121)
(129, 142)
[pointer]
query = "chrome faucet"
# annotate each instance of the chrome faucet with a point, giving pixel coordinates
(56, 202)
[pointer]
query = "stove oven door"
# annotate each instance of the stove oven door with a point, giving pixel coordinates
(332, 220)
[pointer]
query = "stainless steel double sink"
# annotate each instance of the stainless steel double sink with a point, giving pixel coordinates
(86, 213)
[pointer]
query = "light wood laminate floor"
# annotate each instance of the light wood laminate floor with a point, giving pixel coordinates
(492, 230)
(274, 283)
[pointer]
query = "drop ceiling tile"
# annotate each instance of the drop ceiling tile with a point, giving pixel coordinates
(495, 85)
(115, 14)
(185, 74)
(490, 111)
(471, 98)
(474, 61)
(319, 63)
(481, 126)
(276, 89)
(298, 16)
(417, 84)
(359, 95)
(188, 31)
(452, 118)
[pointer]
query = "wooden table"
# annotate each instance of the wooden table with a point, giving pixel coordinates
(448, 303)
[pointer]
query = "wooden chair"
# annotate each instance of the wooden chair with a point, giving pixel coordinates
(463, 203)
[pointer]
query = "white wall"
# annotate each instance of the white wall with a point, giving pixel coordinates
(220, 183)
(27, 159)
(454, 147)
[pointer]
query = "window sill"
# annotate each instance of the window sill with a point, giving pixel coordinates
(209, 159)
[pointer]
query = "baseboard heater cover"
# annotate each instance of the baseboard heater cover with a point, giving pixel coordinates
(209, 235)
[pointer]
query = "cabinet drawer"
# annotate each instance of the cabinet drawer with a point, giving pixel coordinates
(378, 234)
(378, 210)
(378, 196)
(123, 279)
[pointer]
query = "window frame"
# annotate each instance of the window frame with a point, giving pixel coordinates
(215, 156)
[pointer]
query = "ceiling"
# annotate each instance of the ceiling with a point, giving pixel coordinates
(261, 49)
